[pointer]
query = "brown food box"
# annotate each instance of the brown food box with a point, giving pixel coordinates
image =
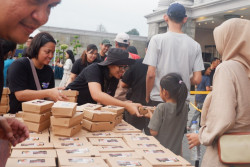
(5, 100)
(143, 139)
(144, 109)
(37, 118)
(33, 153)
(99, 116)
(37, 106)
(42, 133)
(32, 162)
(64, 109)
(106, 141)
(97, 126)
(167, 160)
(126, 129)
(118, 162)
(78, 152)
(70, 93)
(67, 122)
(9, 115)
(37, 138)
(82, 161)
(19, 114)
(4, 109)
(71, 145)
(145, 145)
(118, 119)
(122, 155)
(155, 152)
(90, 106)
(72, 99)
(62, 131)
(75, 138)
(103, 135)
(121, 148)
(116, 109)
(34, 145)
(6, 91)
(37, 127)
(123, 124)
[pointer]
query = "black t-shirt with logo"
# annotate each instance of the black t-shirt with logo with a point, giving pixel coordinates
(93, 73)
(78, 66)
(20, 77)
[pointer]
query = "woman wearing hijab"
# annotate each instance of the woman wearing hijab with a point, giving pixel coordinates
(70, 59)
(227, 108)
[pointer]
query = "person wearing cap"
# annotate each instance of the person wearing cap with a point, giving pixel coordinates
(170, 52)
(97, 83)
(104, 47)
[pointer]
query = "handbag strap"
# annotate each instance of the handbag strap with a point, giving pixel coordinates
(38, 86)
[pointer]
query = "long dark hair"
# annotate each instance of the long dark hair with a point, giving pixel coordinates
(39, 41)
(92, 47)
(176, 88)
(71, 55)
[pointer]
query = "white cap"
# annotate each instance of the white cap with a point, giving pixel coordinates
(122, 38)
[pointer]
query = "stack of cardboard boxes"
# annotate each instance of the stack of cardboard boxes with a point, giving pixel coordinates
(65, 120)
(144, 109)
(71, 95)
(97, 120)
(36, 114)
(4, 105)
(118, 110)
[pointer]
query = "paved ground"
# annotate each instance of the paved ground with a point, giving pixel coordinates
(185, 150)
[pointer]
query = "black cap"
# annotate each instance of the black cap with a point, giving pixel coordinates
(176, 10)
(117, 56)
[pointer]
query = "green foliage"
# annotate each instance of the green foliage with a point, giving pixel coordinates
(20, 46)
(75, 43)
(133, 32)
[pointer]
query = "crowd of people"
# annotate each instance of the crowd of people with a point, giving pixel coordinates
(118, 76)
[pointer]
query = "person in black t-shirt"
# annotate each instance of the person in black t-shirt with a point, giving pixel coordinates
(20, 77)
(104, 47)
(98, 82)
(88, 57)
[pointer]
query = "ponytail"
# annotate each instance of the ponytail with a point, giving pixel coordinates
(176, 88)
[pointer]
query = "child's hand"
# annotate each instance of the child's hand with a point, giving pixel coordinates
(149, 114)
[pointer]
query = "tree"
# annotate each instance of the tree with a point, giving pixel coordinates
(133, 32)
(75, 44)
(101, 28)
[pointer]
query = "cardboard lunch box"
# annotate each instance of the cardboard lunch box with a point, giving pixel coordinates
(67, 122)
(78, 152)
(37, 118)
(166, 160)
(90, 106)
(118, 119)
(37, 138)
(121, 148)
(144, 109)
(19, 114)
(121, 155)
(70, 93)
(37, 106)
(42, 153)
(24, 162)
(116, 109)
(126, 129)
(118, 162)
(6, 91)
(5, 100)
(106, 134)
(64, 109)
(81, 161)
(34, 145)
(66, 145)
(42, 133)
(106, 141)
(72, 99)
(143, 139)
(75, 138)
(97, 126)
(99, 116)
(144, 145)
(155, 152)
(37, 127)
(9, 115)
(68, 132)
(4, 109)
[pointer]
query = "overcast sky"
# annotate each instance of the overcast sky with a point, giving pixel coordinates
(116, 15)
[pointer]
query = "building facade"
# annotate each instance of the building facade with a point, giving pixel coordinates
(203, 17)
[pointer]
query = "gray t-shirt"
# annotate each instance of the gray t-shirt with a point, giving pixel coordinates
(173, 52)
(169, 126)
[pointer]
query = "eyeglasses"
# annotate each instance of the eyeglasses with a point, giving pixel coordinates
(123, 68)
